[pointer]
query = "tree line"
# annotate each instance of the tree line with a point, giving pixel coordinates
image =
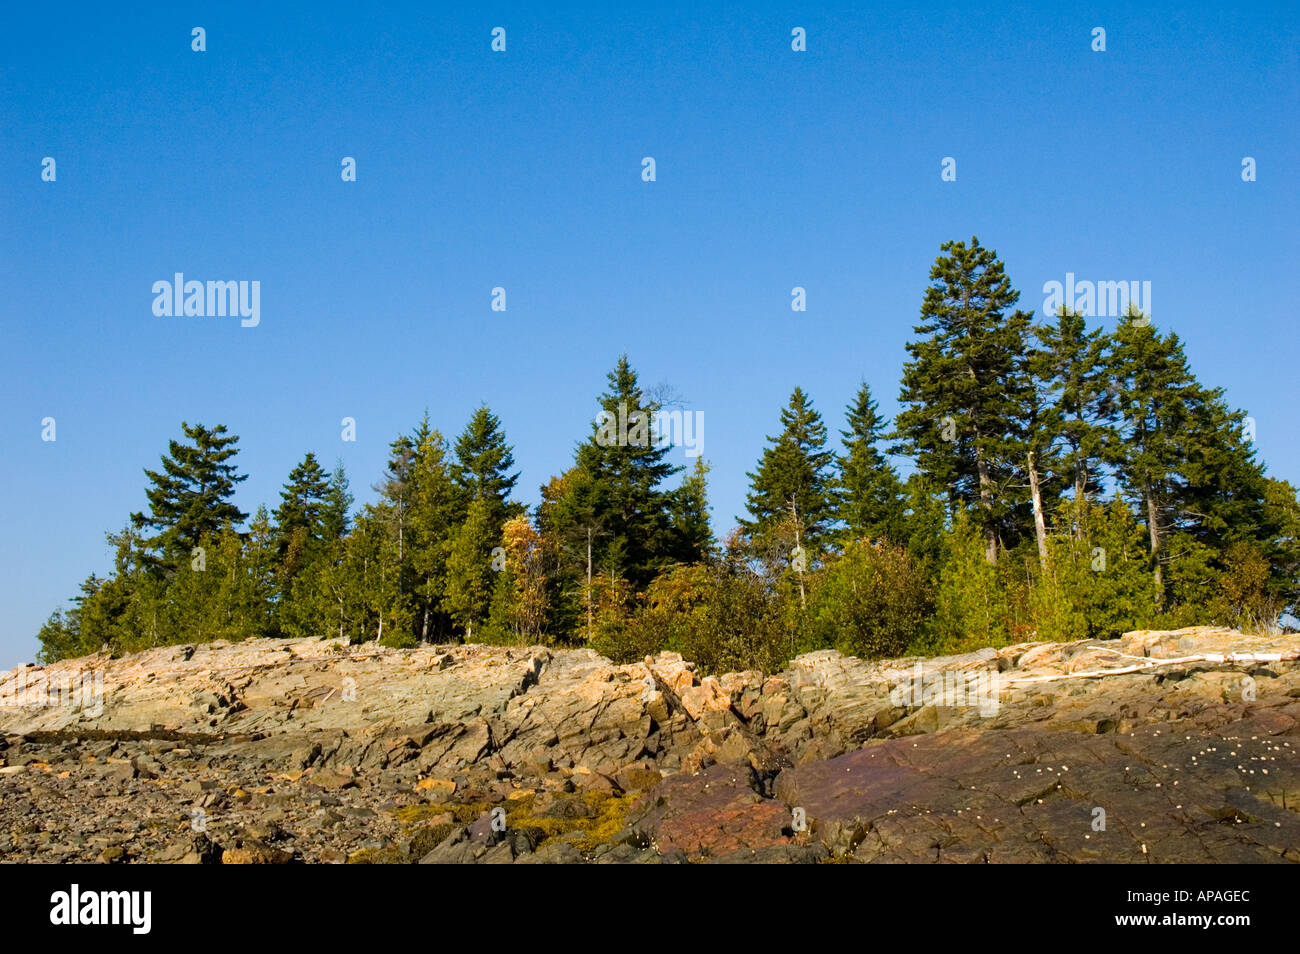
(1066, 482)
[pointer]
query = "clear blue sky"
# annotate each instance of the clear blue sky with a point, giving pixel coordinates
(522, 170)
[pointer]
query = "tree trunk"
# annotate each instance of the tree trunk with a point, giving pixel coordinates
(589, 621)
(1153, 526)
(1040, 524)
(986, 504)
(803, 600)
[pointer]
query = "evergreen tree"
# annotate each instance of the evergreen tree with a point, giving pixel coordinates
(571, 516)
(190, 497)
(437, 508)
(690, 516)
(1159, 404)
(963, 391)
(302, 503)
(337, 505)
(469, 567)
(789, 491)
(484, 461)
(868, 495)
(300, 520)
(1074, 364)
(626, 470)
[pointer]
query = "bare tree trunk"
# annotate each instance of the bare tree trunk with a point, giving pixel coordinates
(803, 599)
(1040, 524)
(986, 504)
(1153, 526)
(589, 620)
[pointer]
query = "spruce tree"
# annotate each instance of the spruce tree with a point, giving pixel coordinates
(788, 502)
(1157, 397)
(1074, 363)
(337, 505)
(484, 461)
(963, 391)
(868, 494)
(571, 517)
(437, 508)
(690, 516)
(299, 519)
(190, 496)
(469, 567)
(302, 502)
(626, 470)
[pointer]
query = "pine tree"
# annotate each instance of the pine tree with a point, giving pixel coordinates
(469, 567)
(868, 495)
(789, 490)
(626, 470)
(963, 391)
(190, 496)
(1074, 364)
(484, 461)
(1157, 396)
(690, 516)
(437, 509)
(302, 502)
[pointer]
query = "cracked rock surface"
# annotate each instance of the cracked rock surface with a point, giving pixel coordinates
(275, 751)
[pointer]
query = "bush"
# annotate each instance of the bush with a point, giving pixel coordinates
(720, 615)
(871, 601)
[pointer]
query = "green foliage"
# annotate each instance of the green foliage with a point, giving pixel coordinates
(689, 514)
(1099, 584)
(972, 606)
(868, 497)
(469, 568)
(964, 392)
(720, 615)
(1152, 512)
(789, 499)
(871, 601)
(620, 498)
(484, 461)
(190, 497)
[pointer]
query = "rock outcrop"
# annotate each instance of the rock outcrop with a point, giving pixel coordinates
(1158, 746)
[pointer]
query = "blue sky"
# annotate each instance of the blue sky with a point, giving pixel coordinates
(523, 170)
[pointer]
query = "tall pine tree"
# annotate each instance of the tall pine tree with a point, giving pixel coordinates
(868, 495)
(963, 392)
(789, 500)
(191, 495)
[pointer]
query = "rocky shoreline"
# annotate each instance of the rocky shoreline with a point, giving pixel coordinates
(269, 751)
